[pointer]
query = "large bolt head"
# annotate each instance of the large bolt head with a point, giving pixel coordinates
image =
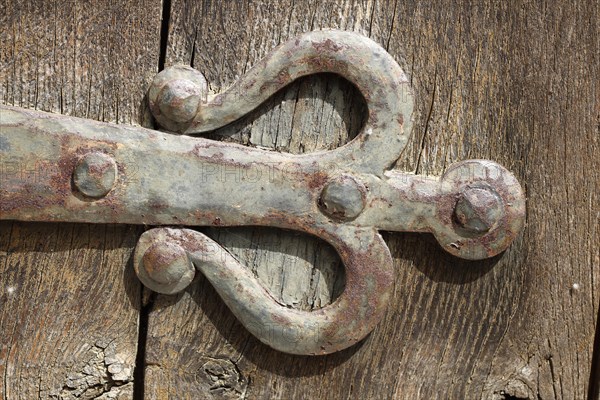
(166, 268)
(179, 100)
(478, 210)
(176, 95)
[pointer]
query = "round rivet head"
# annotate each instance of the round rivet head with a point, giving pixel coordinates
(95, 174)
(166, 268)
(176, 96)
(179, 99)
(343, 198)
(478, 210)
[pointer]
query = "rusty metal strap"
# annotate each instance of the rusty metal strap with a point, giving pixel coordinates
(62, 169)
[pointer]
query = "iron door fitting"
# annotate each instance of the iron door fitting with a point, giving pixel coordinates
(87, 171)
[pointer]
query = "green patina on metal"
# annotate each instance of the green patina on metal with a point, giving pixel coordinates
(62, 169)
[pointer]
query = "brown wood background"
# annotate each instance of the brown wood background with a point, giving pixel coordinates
(515, 82)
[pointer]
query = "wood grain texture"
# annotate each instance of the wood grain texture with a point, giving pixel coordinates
(513, 82)
(68, 315)
(69, 302)
(516, 83)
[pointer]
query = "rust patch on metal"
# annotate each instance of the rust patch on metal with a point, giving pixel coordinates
(344, 196)
(327, 46)
(316, 180)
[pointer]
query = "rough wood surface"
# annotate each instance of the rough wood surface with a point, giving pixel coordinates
(68, 298)
(514, 82)
(68, 315)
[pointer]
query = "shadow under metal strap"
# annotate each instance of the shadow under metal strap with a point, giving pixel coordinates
(79, 170)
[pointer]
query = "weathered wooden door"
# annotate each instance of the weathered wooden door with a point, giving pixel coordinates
(516, 82)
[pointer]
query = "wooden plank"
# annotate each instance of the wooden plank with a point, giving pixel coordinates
(68, 298)
(515, 83)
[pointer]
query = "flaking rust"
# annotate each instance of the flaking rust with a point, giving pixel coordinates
(61, 169)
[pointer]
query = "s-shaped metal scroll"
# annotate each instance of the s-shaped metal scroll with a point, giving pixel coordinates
(63, 169)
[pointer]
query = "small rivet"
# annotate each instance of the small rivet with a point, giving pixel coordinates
(343, 198)
(166, 263)
(478, 210)
(95, 174)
